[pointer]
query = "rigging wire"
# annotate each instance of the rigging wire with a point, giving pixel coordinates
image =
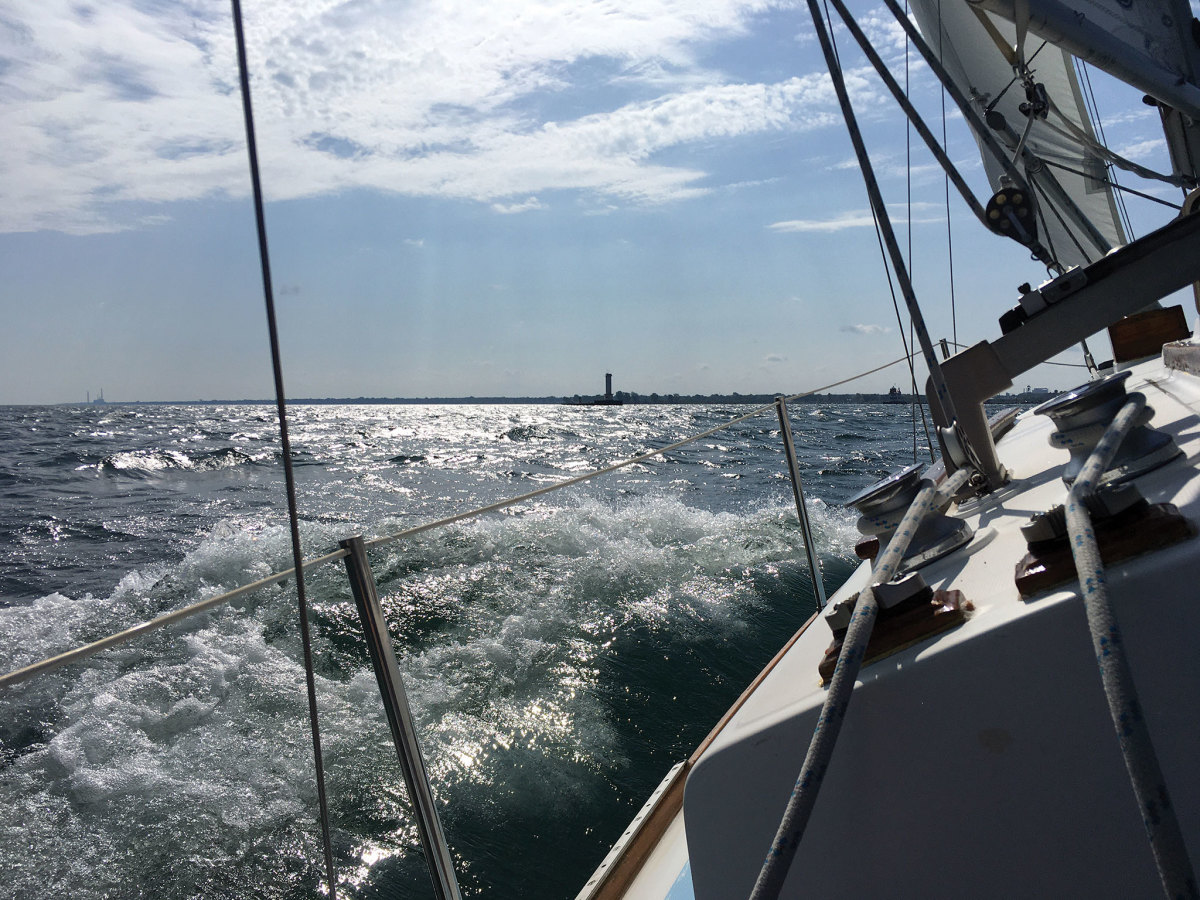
(1061, 221)
(946, 184)
(833, 37)
(1120, 188)
(1073, 132)
(1083, 70)
(909, 350)
(1044, 235)
(289, 476)
(908, 215)
(908, 353)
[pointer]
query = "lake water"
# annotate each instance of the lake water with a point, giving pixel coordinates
(559, 656)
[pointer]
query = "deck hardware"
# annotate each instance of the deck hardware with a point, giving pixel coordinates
(888, 595)
(1125, 526)
(916, 613)
(837, 615)
(1082, 415)
(1122, 282)
(1043, 528)
(882, 505)
(899, 589)
(867, 547)
(1034, 300)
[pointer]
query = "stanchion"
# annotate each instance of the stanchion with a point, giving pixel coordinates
(395, 704)
(789, 450)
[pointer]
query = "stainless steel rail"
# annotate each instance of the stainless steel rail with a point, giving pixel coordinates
(400, 720)
(789, 450)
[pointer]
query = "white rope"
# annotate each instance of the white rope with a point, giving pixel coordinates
(841, 688)
(1141, 761)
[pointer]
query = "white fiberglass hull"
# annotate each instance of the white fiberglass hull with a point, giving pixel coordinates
(983, 761)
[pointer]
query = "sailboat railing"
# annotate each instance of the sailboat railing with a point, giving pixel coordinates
(400, 720)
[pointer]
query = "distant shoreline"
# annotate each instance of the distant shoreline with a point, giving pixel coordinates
(628, 399)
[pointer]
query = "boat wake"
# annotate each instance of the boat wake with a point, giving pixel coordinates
(546, 652)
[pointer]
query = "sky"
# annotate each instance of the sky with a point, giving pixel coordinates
(474, 199)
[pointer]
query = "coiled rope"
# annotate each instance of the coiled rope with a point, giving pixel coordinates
(1145, 774)
(841, 688)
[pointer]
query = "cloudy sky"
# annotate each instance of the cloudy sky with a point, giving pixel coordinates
(504, 198)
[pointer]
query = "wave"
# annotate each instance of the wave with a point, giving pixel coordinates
(536, 649)
(149, 462)
(404, 459)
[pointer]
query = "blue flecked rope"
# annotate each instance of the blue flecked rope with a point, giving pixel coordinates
(841, 687)
(1158, 815)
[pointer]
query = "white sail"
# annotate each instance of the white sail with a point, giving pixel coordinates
(1077, 217)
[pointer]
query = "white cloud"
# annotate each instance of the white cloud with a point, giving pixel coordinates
(520, 207)
(866, 329)
(888, 38)
(1138, 115)
(921, 214)
(1143, 149)
(415, 242)
(130, 103)
(892, 165)
(840, 222)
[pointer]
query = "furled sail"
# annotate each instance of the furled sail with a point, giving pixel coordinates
(1062, 159)
(1150, 45)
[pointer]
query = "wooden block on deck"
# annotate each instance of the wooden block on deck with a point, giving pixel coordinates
(1144, 333)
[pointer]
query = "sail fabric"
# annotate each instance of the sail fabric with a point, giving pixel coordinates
(1150, 45)
(1077, 215)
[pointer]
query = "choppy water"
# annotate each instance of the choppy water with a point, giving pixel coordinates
(559, 657)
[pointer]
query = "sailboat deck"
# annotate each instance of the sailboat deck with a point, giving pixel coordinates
(975, 758)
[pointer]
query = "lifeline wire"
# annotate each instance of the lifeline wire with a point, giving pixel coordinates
(289, 477)
(1145, 774)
